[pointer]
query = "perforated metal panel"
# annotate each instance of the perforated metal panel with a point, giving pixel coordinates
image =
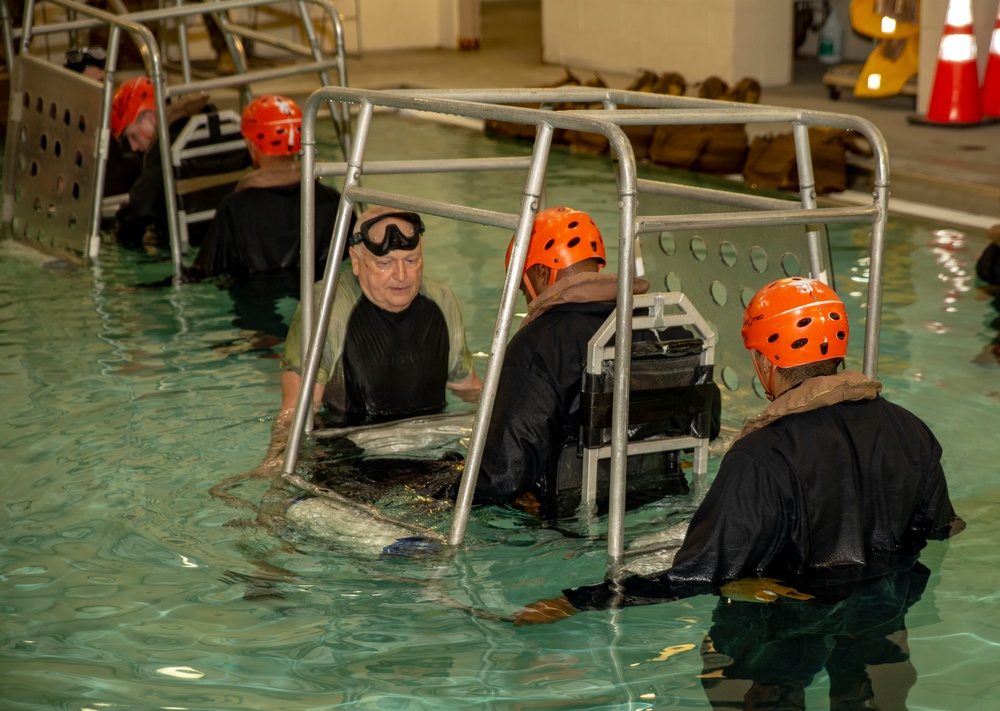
(720, 270)
(49, 160)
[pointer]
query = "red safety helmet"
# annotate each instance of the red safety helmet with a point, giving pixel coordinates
(796, 321)
(561, 237)
(131, 99)
(273, 124)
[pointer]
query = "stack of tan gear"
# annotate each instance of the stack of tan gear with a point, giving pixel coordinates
(670, 83)
(709, 148)
(504, 129)
(771, 162)
(723, 149)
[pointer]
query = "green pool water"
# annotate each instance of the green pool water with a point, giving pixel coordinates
(125, 585)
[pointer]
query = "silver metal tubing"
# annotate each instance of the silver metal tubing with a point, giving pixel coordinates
(490, 104)
(712, 195)
(490, 218)
(795, 216)
(84, 16)
(314, 329)
(233, 80)
(807, 196)
(405, 167)
(508, 301)
(873, 311)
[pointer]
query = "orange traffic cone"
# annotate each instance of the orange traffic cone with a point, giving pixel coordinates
(991, 80)
(955, 92)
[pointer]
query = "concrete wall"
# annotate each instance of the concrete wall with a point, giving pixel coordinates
(698, 38)
(407, 24)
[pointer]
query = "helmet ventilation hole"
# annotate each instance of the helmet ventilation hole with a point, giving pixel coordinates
(573, 225)
(834, 316)
(823, 348)
(573, 242)
(772, 338)
(548, 245)
(800, 343)
(803, 322)
(841, 336)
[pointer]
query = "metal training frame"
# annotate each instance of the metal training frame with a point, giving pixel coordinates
(607, 121)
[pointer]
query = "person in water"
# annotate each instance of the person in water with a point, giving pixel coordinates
(254, 238)
(142, 221)
(395, 342)
(988, 263)
(830, 482)
(537, 408)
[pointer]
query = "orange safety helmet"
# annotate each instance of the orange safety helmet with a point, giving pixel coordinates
(131, 99)
(273, 124)
(560, 237)
(796, 321)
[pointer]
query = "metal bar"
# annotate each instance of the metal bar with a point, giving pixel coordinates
(795, 216)
(491, 218)
(807, 197)
(296, 48)
(404, 167)
(314, 329)
(256, 75)
(103, 142)
(182, 40)
(713, 195)
(529, 208)
(8, 38)
(873, 320)
(627, 231)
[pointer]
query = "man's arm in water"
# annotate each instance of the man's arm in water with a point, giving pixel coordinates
(469, 389)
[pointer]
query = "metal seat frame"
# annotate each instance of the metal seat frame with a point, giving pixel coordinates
(663, 310)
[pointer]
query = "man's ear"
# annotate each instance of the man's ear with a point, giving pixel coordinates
(355, 259)
(539, 276)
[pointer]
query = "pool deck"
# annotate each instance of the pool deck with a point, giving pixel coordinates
(954, 169)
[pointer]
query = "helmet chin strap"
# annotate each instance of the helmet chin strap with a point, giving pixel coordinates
(531, 289)
(528, 286)
(769, 388)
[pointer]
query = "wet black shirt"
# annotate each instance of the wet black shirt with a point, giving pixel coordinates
(395, 364)
(257, 230)
(845, 491)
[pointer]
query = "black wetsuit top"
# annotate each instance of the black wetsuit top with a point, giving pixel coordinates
(257, 230)
(988, 264)
(537, 407)
(847, 491)
(395, 364)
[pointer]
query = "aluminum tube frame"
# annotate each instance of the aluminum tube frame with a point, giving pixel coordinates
(607, 124)
(794, 216)
(807, 196)
(713, 195)
(448, 165)
(149, 48)
(533, 190)
(314, 327)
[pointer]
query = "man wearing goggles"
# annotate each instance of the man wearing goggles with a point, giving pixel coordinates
(393, 230)
(395, 340)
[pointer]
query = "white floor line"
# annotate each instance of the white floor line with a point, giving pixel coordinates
(917, 209)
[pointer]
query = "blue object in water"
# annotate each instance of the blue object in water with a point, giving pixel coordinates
(411, 546)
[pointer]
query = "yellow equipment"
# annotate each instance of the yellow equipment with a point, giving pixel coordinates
(893, 62)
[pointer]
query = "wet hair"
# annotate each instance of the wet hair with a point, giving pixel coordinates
(799, 373)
